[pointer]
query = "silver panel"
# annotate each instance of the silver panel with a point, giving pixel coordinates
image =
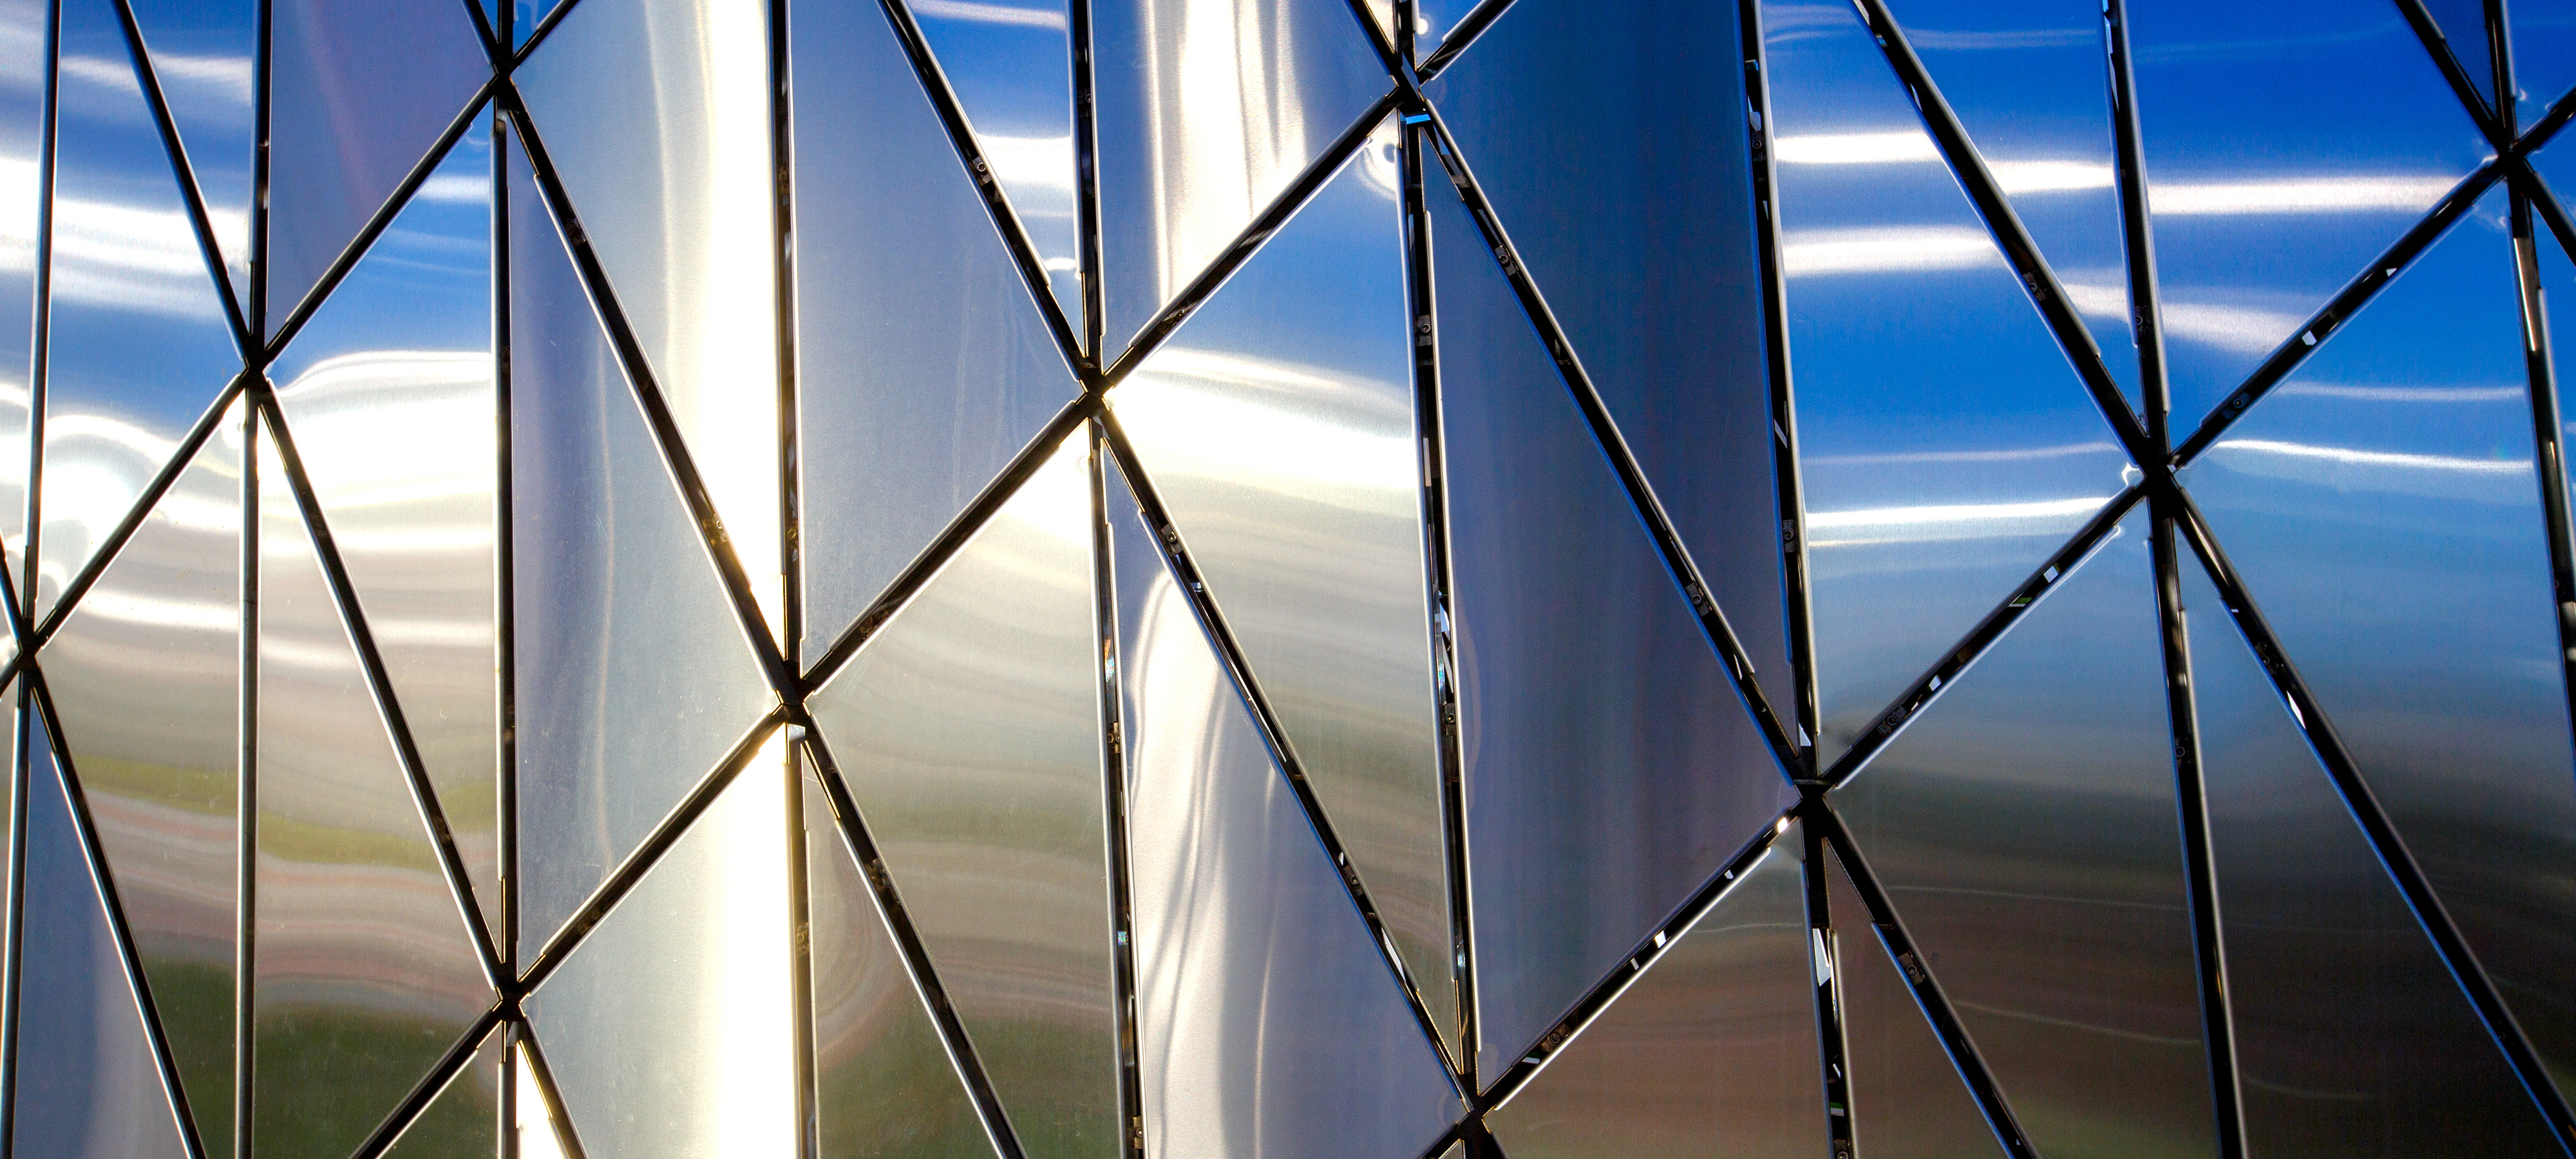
(22, 122)
(139, 342)
(883, 1079)
(364, 970)
(1278, 427)
(968, 731)
(923, 365)
(1610, 767)
(670, 1031)
(357, 94)
(465, 1118)
(2024, 827)
(1010, 63)
(2351, 1037)
(634, 676)
(202, 54)
(144, 678)
(1268, 1024)
(2384, 509)
(1639, 121)
(388, 391)
(2287, 145)
(656, 113)
(94, 1090)
(1907, 1100)
(1716, 1041)
(1207, 110)
(1947, 445)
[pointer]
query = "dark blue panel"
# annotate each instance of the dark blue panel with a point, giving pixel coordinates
(1615, 153)
(1011, 65)
(2030, 80)
(2464, 32)
(2023, 825)
(2287, 145)
(1907, 1099)
(1947, 445)
(923, 365)
(2544, 54)
(1207, 110)
(201, 53)
(633, 674)
(2557, 164)
(358, 94)
(2384, 510)
(2351, 1038)
(1269, 1022)
(93, 1090)
(139, 345)
(1610, 768)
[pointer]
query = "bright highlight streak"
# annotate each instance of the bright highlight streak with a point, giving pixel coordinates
(1809, 253)
(537, 1138)
(2339, 194)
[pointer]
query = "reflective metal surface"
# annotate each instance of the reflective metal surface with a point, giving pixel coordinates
(97, 1094)
(357, 94)
(1207, 110)
(656, 113)
(922, 363)
(1011, 64)
(2557, 163)
(1907, 1099)
(2024, 827)
(1947, 445)
(1716, 1041)
(139, 344)
(202, 54)
(670, 1031)
(2350, 1036)
(2030, 81)
(363, 967)
(388, 391)
(2383, 508)
(1278, 427)
(1609, 766)
(633, 673)
(2287, 145)
(2544, 57)
(884, 1085)
(537, 1126)
(1271, 1026)
(22, 123)
(465, 1118)
(144, 679)
(968, 731)
(1639, 121)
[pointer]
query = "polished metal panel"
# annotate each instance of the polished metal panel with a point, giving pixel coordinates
(1610, 766)
(634, 676)
(1907, 1099)
(22, 122)
(144, 676)
(91, 1089)
(2384, 509)
(1947, 445)
(202, 55)
(670, 1030)
(2351, 1038)
(465, 1118)
(923, 365)
(1639, 120)
(1011, 65)
(1270, 1024)
(537, 1126)
(388, 391)
(2557, 164)
(139, 345)
(357, 94)
(1278, 427)
(1716, 1041)
(2287, 145)
(2030, 81)
(364, 970)
(2558, 286)
(657, 116)
(2024, 828)
(968, 731)
(1207, 110)
(884, 1084)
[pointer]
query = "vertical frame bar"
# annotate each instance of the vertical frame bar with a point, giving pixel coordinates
(1825, 954)
(246, 793)
(1113, 766)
